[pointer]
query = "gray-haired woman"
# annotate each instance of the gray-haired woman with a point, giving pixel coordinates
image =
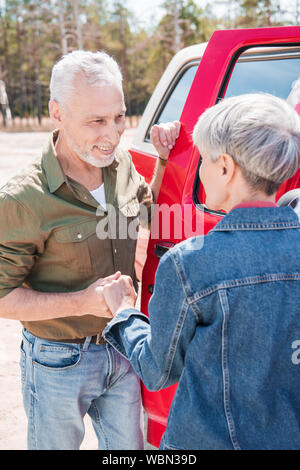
(229, 328)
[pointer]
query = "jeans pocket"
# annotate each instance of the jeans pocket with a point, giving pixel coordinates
(56, 357)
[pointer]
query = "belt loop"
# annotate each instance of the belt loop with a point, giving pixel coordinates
(99, 337)
(86, 343)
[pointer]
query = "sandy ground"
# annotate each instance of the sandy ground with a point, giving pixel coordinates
(16, 151)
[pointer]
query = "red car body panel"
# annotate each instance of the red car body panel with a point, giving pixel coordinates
(177, 186)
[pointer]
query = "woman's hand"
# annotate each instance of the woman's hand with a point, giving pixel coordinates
(119, 294)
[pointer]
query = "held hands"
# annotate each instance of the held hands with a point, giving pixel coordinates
(105, 297)
(92, 301)
(119, 294)
(163, 137)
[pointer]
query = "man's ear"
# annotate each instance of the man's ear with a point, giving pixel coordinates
(227, 166)
(55, 113)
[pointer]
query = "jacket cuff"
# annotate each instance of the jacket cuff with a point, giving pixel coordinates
(112, 333)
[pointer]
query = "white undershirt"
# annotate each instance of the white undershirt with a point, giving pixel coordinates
(99, 195)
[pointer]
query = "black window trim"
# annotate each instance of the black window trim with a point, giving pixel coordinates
(221, 93)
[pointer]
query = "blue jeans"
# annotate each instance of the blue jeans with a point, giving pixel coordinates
(61, 382)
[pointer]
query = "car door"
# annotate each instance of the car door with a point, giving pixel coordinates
(234, 62)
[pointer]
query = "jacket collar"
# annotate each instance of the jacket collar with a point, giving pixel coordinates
(258, 218)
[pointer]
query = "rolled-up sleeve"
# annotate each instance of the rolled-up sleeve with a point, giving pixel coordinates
(19, 243)
(156, 347)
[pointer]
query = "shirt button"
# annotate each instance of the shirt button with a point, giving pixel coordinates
(79, 236)
(115, 250)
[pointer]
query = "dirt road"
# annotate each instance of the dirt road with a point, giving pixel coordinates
(16, 151)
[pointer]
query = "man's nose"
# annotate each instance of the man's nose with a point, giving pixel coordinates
(112, 134)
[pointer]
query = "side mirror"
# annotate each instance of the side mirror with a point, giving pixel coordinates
(292, 199)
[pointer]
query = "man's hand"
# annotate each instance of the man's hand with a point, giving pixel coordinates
(119, 294)
(163, 137)
(92, 299)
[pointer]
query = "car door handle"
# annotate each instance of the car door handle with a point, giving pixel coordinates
(162, 247)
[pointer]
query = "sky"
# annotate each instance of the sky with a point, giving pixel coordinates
(148, 12)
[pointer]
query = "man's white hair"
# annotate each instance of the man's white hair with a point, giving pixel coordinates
(95, 68)
(260, 131)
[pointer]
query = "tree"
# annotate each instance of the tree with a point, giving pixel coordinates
(120, 45)
(259, 13)
(4, 104)
(34, 35)
(96, 28)
(183, 24)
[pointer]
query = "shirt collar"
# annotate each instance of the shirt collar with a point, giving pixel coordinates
(115, 163)
(54, 173)
(255, 204)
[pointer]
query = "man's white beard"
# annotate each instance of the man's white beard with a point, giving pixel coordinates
(99, 162)
(88, 157)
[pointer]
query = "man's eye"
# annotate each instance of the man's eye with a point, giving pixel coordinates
(98, 121)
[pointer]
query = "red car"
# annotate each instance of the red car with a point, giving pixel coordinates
(233, 62)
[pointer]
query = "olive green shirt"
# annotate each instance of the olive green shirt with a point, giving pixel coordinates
(55, 237)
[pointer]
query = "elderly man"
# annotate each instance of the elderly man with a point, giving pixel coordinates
(52, 263)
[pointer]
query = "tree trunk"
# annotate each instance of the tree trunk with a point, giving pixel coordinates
(77, 23)
(20, 57)
(4, 104)
(6, 74)
(63, 37)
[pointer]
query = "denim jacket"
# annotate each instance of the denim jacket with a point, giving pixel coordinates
(224, 322)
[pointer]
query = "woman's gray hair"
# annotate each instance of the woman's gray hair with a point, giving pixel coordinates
(260, 131)
(96, 68)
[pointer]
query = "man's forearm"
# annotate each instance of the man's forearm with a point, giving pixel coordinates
(163, 137)
(157, 178)
(29, 305)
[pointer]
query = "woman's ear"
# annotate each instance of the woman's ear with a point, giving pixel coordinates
(227, 166)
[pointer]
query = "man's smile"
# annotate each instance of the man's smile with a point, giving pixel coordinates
(107, 150)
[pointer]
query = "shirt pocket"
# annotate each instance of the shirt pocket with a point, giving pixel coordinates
(73, 244)
(131, 208)
(129, 215)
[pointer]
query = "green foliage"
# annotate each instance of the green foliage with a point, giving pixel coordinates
(259, 13)
(34, 35)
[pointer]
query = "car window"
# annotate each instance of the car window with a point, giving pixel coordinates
(270, 72)
(172, 105)
(275, 76)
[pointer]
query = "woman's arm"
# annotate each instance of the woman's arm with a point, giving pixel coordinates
(156, 347)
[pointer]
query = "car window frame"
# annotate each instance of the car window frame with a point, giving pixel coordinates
(163, 102)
